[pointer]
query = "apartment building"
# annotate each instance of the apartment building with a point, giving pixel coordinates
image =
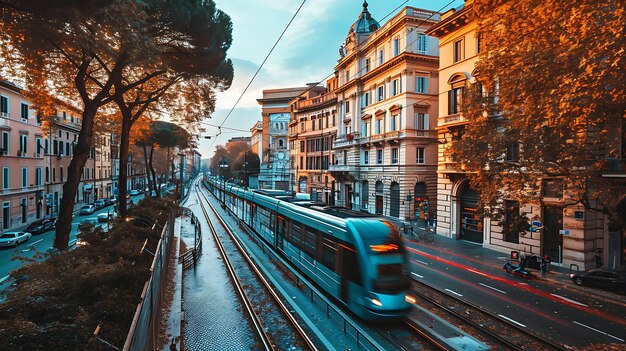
(312, 132)
(276, 112)
(21, 162)
(386, 145)
(570, 234)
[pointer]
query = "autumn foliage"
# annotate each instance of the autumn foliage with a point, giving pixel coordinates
(549, 101)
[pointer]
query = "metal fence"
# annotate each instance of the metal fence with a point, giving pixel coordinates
(189, 258)
(144, 329)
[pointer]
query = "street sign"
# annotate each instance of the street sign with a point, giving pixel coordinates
(564, 232)
(536, 224)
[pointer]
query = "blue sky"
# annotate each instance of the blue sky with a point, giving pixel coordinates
(307, 52)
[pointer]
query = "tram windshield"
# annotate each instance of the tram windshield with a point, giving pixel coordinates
(380, 244)
(391, 277)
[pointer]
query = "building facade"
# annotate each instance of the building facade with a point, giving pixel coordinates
(386, 145)
(21, 163)
(569, 234)
(276, 112)
(312, 132)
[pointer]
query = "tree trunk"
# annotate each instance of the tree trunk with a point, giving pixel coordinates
(74, 172)
(151, 172)
(124, 143)
(151, 181)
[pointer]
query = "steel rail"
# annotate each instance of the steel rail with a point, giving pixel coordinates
(481, 328)
(307, 340)
(244, 297)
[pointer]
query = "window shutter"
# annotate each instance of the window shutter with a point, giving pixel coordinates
(426, 126)
(425, 85)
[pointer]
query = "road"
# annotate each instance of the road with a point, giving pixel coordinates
(10, 257)
(556, 309)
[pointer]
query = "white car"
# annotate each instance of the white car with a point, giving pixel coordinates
(134, 192)
(14, 238)
(105, 217)
(87, 209)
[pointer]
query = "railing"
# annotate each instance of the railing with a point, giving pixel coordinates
(456, 118)
(189, 258)
(616, 165)
(318, 100)
(144, 329)
(21, 189)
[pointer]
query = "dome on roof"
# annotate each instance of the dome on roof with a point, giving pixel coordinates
(365, 23)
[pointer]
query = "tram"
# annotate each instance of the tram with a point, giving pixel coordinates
(359, 261)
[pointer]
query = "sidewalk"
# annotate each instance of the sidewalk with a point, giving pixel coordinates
(473, 252)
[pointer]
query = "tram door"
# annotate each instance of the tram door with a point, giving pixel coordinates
(281, 231)
(345, 262)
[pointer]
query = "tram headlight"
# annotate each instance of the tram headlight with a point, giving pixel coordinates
(410, 299)
(376, 302)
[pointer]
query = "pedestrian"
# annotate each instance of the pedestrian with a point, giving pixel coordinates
(173, 345)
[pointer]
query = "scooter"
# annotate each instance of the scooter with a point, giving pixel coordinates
(517, 270)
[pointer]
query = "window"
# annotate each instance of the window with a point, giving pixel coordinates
(394, 155)
(552, 188)
(367, 65)
(378, 121)
(512, 152)
(512, 221)
(347, 75)
(5, 142)
(24, 111)
(38, 176)
(24, 177)
(48, 174)
(381, 93)
(478, 44)
(392, 123)
(365, 99)
(394, 87)
(4, 106)
(421, 85)
(422, 43)
(302, 126)
(61, 173)
(419, 155)
(347, 106)
(38, 146)
(454, 100)
(6, 183)
(381, 56)
(60, 148)
(421, 121)
(45, 146)
(379, 157)
(458, 50)
(313, 124)
(366, 157)
(23, 144)
(396, 47)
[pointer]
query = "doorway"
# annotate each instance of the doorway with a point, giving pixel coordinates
(471, 220)
(552, 238)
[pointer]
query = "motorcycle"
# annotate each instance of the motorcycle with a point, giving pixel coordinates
(517, 270)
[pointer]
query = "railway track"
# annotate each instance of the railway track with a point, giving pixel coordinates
(275, 330)
(495, 331)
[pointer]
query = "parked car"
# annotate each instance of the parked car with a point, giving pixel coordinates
(89, 220)
(113, 200)
(41, 226)
(105, 217)
(14, 238)
(602, 278)
(134, 192)
(87, 209)
(100, 203)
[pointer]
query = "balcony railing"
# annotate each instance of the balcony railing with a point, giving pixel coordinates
(19, 190)
(451, 119)
(344, 168)
(318, 100)
(346, 140)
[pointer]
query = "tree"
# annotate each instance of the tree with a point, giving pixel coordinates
(182, 59)
(240, 159)
(128, 52)
(160, 134)
(549, 103)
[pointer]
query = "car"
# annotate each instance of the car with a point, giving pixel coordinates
(112, 200)
(14, 238)
(105, 217)
(602, 278)
(134, 192)
(87, 209)
(41, 226)
(100, 203)
(90, 220)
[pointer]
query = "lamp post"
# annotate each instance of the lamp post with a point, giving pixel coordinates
(223, 167)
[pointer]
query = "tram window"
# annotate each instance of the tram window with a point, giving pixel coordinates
(296, 235)
(310, 242)
(329, 250)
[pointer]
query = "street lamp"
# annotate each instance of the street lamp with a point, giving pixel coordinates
(223, 167)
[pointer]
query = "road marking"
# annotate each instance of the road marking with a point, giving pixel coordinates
(511, 320)
(599, 331)
(417, 275)
(492, 288)
(4, 278)
(453, 292)
(569, 300)
(38, 241)
(422, 262)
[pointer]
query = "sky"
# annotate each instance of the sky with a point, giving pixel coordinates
(307, 53)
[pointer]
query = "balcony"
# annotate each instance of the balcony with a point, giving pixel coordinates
(349, 168)
(346, 140)
(21, 190)
(315, 101)
(451, 120)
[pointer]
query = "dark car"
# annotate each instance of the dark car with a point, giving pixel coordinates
(41, 226)
(602, 278)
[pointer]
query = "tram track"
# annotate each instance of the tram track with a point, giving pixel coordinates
(272, 335)
(496, 331)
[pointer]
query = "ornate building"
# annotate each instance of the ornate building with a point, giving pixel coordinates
(312, 131)
(386, 145)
